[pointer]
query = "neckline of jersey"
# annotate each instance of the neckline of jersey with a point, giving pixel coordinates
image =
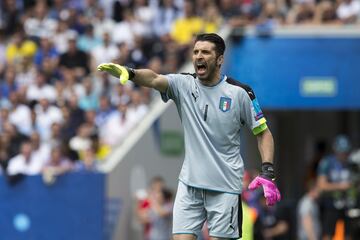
(222, 78)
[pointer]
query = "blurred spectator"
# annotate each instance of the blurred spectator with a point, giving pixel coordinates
(25, 162)
(5, 153)
(308, 215)
(8, 84)
(61, 36)
(212, 18)
(137, 54)
(164, 17)
(137, 109)
(186, 27)
(4, 115)
(90, 7)
(102, 24)
(104, 84)
(325, 12)
(273, 222)
(48, 52)
(348, 11)
(158, 215)
(82, 140)
(56, 165)
(26, 72)
(120, 95)
(334, 180)
(117, 126)
(19, 47)
(46, 115)
(20, 114)
(131, 26)
(90, 100)
(73, 117)
(106, 51)
(41, 150)
(76, 20)
(55, 140)
(144, 13)
(70, 87)
(74, 58)
(89, 161)
(9, 16)
(58, 10)
(269, 18)
(124, 50)
(104, 111)
(41, 89)
(39, 24)
(232, 14)
(156, 185)
(303, 11)
(2, 51)
(88, 40)
(14, 137)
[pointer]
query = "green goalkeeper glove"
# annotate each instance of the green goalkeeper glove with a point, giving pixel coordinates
(122, 72)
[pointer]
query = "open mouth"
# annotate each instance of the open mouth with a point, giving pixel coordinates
(201, 68)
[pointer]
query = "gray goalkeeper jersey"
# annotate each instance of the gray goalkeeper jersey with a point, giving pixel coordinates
(212, 118)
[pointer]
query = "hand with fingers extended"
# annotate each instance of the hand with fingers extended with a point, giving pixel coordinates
(122, 72)
(266, 180)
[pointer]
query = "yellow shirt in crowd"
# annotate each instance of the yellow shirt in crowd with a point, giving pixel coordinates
(185, 28)
(26, 49)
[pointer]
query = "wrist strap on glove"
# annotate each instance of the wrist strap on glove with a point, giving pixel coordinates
(131, 72)
(267, 171)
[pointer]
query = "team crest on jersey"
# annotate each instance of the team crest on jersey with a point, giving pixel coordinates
(225, 104)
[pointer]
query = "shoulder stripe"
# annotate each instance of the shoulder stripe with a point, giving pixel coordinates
(247, 88)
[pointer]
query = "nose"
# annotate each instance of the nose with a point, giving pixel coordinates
(199, 55)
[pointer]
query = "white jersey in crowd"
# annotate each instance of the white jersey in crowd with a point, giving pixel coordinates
(212, 118)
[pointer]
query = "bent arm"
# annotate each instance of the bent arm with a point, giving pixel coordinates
(325, 185)
(148, 78)
(266, 145)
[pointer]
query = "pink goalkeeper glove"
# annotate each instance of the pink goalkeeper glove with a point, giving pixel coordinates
(271, 192)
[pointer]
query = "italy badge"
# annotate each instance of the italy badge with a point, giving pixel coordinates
(225, 104)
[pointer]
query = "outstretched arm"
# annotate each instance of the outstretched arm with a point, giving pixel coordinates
(148, 78)
(142, 77)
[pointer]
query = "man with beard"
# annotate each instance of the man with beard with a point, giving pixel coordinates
(213, 108)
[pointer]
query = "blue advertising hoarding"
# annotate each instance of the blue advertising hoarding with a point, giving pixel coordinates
(71, 208)
(298, 72)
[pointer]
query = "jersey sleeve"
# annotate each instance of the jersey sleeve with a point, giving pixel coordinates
(174, 88)
(251, 113)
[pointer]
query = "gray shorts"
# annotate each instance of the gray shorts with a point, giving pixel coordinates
(194, 206)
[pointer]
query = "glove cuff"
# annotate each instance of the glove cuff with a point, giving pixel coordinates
(267, 171)
(131, 72)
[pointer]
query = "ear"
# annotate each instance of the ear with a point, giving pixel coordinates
(220, 60)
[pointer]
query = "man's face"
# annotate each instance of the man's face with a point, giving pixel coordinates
(205, 60)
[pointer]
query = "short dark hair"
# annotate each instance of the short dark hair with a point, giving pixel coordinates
(214, 38)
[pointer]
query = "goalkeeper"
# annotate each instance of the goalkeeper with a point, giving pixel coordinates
(213, 109)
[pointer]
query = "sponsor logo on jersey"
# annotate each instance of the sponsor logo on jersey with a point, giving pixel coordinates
(225, 104)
